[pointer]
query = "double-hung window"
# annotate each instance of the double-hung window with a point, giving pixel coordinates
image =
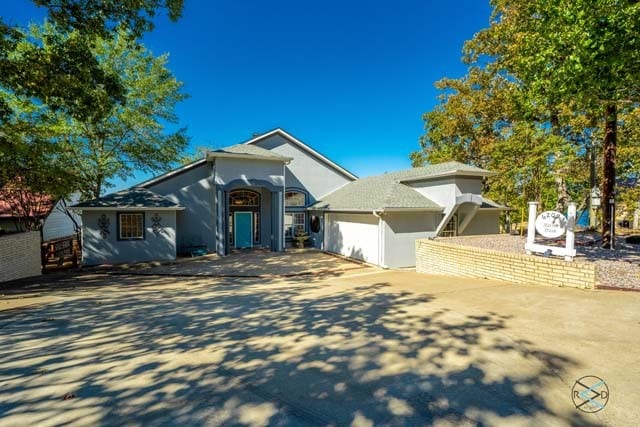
(294, 221)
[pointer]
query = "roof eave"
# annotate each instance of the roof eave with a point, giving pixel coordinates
(432, 209)
(212, 155)
(379, 210)
(125, 208)
(449, 174)
(496, 208)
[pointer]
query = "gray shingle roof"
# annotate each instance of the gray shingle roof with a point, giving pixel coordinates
(437, 169)
(374, 193)
(136, 197)
(247, 149)
(388, 192)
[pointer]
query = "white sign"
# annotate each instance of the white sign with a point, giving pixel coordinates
(551, 224)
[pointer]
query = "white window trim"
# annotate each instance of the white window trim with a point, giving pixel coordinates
(290, 228)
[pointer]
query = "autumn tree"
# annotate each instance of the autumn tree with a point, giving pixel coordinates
(585, 52)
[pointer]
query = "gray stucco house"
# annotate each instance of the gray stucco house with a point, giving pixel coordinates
(260, 192)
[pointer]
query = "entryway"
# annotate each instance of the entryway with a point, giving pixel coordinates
(243, 230)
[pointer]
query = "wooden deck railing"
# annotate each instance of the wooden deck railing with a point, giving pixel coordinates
(60, 253)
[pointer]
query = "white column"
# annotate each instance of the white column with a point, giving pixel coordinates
(571, 236)
(531, 228)
(636, 217)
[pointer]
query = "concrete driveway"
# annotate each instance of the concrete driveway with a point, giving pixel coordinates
(363, 347)
(253, 263)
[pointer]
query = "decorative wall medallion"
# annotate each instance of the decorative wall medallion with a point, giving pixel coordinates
(156, 226)
(103, 225)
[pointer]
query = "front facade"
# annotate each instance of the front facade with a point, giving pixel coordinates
(265, 191)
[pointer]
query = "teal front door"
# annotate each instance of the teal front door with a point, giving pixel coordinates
(243, 229)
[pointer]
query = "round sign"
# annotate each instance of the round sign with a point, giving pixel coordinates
(590, 394)
(551, 224)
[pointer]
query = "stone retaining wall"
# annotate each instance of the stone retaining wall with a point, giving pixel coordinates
(455, 260)
(19, 256)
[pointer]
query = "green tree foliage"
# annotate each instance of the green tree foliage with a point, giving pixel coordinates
(576, 66)
(105, 17)
(131, 136)
(62, 76)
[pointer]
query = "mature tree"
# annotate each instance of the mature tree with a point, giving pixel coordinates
(106, 16)
(132, 136)
(581, 51)
(483, 119)
(66, 77)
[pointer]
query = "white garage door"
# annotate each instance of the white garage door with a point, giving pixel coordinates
(352, 235)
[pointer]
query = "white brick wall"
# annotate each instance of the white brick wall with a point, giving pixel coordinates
(456, 260)
(19, 256)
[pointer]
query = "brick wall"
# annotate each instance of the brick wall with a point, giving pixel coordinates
(19, 256)
(455, 260)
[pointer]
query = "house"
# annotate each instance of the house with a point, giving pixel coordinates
(261, 192)
(19, 208)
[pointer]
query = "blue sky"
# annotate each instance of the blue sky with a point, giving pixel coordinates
(350, 78)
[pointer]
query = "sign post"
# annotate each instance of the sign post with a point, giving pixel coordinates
(571, 233)
(594, 204)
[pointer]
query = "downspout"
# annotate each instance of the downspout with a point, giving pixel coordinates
(381, 223)
(282, 213)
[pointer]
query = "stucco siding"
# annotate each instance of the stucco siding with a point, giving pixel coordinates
(156, 246)
(265, 218)
(469, 185)
(400, 233)
(193, 190)
(353, 235)
(441, 191)
(305, 170)
(484, 222)
(229, 170)
(444, 191)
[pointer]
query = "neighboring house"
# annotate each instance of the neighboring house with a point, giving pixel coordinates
(57, 220)
(260, 192)
(61, 221)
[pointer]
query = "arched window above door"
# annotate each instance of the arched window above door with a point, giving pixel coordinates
(244, 198)
(295, 198)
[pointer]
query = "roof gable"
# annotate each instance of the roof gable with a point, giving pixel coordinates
(246, 151)
(304, 147)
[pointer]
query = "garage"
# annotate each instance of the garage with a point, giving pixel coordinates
(353, 235)
(378, 219)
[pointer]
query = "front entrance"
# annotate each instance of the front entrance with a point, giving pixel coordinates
(248, 223)
(243, 229)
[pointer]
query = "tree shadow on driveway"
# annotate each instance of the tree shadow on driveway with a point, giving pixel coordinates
(260, 352)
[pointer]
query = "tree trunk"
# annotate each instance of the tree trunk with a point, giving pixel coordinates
(559, 171)
(98, 187)
(609, 175)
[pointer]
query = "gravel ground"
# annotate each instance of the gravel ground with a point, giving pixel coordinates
(618, 268)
